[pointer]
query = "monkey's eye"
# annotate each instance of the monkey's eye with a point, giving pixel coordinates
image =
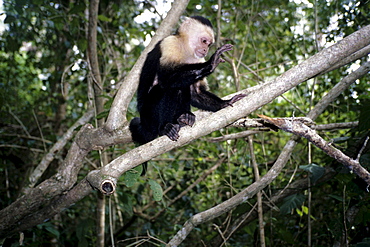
(205, 41)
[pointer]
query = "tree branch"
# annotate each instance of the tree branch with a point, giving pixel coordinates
(91, 48)
(41, 196)
(278, 197)
(59, 145)
(301, 129)
(338, 89)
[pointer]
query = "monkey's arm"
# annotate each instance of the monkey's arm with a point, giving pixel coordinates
(208, 101)
(187, 74)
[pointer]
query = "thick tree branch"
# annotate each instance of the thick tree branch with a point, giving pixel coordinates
(40, 196)
(351, 58)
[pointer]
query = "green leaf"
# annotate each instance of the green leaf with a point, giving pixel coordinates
(131, 176)
(316, 171)
(292, 202)
(157, 190)
(305, 209)
(299, 212)
(104, 18)
(53, 231)
(48, 226)
(127, 205)
(339, 198)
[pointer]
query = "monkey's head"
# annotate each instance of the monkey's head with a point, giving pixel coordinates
(198, 33)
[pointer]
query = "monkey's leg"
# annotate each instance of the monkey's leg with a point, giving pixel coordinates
(186, 118)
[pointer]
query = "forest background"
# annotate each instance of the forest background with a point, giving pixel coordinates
(69, 73)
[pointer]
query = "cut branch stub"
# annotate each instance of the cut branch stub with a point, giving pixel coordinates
(107, 187)
(105, 184)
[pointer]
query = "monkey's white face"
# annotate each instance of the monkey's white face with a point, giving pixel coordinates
(199, 43)
(202, 46)
(198, 37)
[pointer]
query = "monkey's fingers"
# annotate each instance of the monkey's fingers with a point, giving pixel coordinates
(223, 49)
(216, 57)
(236, 98)
(172, 131)
(226, 47)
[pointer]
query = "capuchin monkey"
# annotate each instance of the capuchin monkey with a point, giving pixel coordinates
(173, 79)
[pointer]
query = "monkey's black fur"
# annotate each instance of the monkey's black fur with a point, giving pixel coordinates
(165, 94)
(203, 20)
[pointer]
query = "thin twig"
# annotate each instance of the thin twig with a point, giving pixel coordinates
(20, 122)
(362, 149)
(40, 130)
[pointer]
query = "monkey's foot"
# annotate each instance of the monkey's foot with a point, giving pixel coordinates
(186, 118)
(172, 131)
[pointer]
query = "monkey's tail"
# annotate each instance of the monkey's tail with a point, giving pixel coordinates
(138, 137)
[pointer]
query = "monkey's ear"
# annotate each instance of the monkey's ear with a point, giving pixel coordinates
(184, 19)
(185, 25)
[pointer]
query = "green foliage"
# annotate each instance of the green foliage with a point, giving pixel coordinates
(127, 203)
(130, 177)
(364, 243)
(316, 171)
(157, 190)
(292, 202)
(48, 226)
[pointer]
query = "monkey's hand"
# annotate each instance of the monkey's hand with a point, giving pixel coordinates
(186, 118)
(172, 131)
(234, 99)
(216, 57)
